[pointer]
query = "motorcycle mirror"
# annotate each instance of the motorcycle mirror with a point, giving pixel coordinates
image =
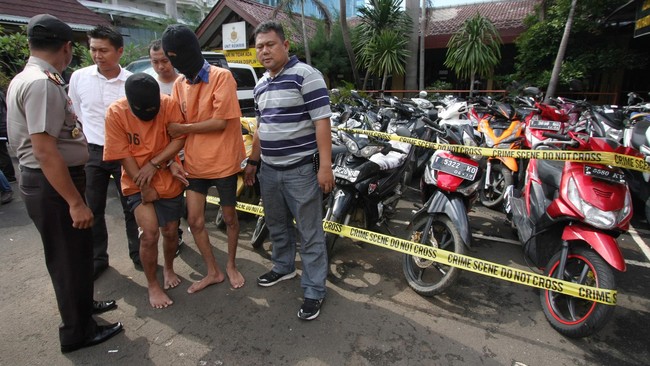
(423, 94)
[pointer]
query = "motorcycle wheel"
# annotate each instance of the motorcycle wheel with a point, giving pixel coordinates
(424, 276)
(260, 233)
(571, 316)
(219, 221)
(500, 179)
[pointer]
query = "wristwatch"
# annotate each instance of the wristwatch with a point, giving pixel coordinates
(157, 166)
(253, 162)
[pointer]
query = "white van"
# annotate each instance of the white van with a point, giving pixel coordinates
(246, 79)
(244, 75)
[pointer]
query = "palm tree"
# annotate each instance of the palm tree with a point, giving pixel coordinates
(475, 48)
(288, 5)
(389, 54)
(382, 20)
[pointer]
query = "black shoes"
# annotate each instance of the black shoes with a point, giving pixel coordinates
(271, 278)
(103, 306)
(310, 309)
(103, 333)
(6, 197)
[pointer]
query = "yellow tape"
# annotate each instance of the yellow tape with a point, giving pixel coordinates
(605, 296)
(598, 157)
(240, 206)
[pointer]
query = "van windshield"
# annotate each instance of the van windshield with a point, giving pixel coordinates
(244, 78)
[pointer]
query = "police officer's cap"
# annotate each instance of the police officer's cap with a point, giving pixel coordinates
(47, 27)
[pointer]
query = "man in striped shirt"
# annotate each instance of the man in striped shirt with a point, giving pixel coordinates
(294, 143)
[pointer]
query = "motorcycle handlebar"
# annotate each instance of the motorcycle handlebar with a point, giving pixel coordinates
(571, 141)
(433, 124)
(556, 136)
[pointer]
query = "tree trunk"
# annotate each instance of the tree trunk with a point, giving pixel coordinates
(348, 44)
(304, 33)
(411, 70)
(471, 84)
(365, 80)
(383, 84)
(423, 29)
(557, 67)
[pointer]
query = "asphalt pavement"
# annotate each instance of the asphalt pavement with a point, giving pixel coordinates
(370, 316)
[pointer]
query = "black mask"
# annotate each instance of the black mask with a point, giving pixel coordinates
(143, 95)
(182, 48)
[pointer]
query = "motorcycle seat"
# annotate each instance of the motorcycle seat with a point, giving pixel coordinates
(550, 173)
(393, 159)
(639, 134)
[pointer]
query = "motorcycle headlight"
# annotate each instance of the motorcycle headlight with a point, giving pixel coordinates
(468, 140)
(350, 144)
(369, 151)
(593, 216)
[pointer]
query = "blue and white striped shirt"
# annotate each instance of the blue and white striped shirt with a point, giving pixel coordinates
(287, 106)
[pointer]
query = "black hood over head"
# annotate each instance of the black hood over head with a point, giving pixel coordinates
(182, 48)
(143, 95)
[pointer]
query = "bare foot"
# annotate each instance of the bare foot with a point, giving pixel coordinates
(235, 277)
(158, 298)
(205, 282)
(171, 279)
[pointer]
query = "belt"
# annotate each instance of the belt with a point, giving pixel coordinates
(71, 169)
(304, 161)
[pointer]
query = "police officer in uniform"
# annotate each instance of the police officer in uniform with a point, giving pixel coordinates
(52, 150)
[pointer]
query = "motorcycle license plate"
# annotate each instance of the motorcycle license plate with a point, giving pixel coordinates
(604, 174)
(346, 173)
(454, 167)
(541, 124)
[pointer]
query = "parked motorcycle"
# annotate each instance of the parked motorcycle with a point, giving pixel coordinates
(369, 181)
(449, 188)
(568, 216)
(502, 128)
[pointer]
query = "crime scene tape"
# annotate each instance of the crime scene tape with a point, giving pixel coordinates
(598, 157)
(605, 296)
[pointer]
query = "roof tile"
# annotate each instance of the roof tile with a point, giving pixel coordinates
(69, 11)
(504, 14)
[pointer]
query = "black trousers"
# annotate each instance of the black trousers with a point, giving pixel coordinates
(68, 252)
(6, 164)
(98, 174)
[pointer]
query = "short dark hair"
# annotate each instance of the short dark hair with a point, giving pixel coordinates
(104, 32)
(155, 45)
(48, 45)
(269, 26)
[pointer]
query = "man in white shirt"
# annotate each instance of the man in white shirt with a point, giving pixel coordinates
(92, 90)
(165, 73)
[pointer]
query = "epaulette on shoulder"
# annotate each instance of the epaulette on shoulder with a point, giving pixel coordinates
(55, 78)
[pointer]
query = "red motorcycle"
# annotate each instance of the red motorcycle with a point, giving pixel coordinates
(568, 216)
(449, 188)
